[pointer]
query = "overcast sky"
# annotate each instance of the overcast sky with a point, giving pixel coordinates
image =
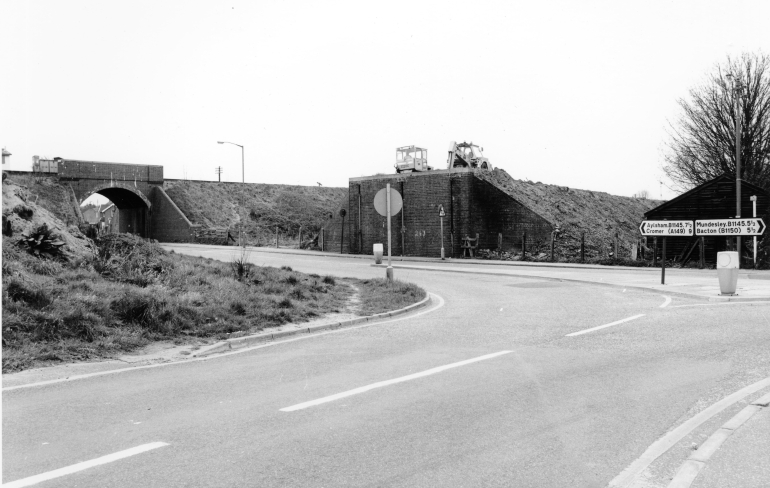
(575, 93)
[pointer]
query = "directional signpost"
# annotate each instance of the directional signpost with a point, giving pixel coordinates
(730, 227)
(663, 228)
(707, 227)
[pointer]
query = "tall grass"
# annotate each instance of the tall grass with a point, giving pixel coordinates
(132, 292)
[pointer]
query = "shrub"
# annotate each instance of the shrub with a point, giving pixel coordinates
(286, 268)
(238, 308)
(131, 259)
(47, 268)
(23, 211)
(81, 324)
(43, 242)
(329, 280)
(292, 280)
(285, 303)
(297, 294)
(241, 266)
(20, 291)
(141, 308)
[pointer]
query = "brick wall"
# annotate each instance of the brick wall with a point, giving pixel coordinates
(168, 223)
(472, 206)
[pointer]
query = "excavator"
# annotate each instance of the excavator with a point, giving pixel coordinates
(466, 155)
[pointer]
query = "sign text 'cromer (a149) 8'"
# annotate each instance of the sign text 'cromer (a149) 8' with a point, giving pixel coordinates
(664, 228)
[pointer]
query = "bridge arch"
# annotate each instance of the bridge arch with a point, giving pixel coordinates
(122, 194)
(133, 207)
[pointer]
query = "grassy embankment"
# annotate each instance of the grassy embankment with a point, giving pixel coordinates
(131, 293)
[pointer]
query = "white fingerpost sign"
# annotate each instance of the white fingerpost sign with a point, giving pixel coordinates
(441, 215)
(662, 228)
(730, 227)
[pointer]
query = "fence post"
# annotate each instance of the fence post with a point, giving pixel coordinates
(322, 238)
(583, 247)
(524, 246)
(276, 237)
(500, 244)
(299, 244)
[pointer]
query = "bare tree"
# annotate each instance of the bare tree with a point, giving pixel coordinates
(642, 194)
(702, 141)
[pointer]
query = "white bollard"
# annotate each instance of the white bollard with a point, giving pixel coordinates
(727, 271)
(378, 254)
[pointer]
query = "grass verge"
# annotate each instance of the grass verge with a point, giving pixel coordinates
(132, 292)
(378, 295)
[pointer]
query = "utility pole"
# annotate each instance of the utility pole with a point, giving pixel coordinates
(218, 170)
(737, 95)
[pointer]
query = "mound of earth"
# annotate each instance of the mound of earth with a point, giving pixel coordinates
(26, 208)
(599, 215)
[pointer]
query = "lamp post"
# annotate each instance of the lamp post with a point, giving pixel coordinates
(737, 87)
(243, 164)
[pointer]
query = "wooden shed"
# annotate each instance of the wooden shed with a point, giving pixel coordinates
(714, 199)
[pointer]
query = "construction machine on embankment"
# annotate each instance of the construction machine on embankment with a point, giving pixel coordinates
(466, 155)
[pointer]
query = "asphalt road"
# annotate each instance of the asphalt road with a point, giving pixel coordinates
(536, 408)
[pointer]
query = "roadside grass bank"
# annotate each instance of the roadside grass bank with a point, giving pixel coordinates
(131, 293)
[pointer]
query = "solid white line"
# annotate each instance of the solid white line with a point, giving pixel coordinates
(666, 301)
(659, 447)
(755, 302)
(381, 384)
(57, 473)
(586, 331)
(231, 353)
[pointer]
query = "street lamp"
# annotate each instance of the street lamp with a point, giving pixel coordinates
(243, 166)
(737, 87)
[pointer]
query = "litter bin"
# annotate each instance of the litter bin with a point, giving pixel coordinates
(378, 254)
(727, 271)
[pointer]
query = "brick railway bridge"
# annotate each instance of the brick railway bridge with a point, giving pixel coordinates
(137, 192)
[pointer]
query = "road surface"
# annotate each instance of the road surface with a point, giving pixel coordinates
(503, 381)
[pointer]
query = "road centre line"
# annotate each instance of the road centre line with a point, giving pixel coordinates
(381, 384)
(666, 302)
(592, 329)
(57, 473)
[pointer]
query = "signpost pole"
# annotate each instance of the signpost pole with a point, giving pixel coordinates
(389, 270)
(754, 214)
(663, 266)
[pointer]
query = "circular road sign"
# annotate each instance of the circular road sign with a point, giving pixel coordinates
(380, 200)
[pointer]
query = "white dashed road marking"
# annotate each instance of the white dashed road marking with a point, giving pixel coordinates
(381, 384)
(57, 473)
(592, 329)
